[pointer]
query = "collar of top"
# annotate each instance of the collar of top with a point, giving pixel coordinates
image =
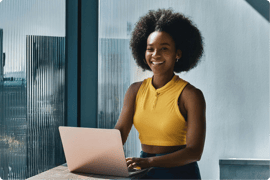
(164, 88)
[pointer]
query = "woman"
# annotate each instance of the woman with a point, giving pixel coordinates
(167, 111)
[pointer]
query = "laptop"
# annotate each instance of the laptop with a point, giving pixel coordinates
(95, 150)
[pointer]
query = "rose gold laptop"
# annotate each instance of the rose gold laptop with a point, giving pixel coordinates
(94, 150)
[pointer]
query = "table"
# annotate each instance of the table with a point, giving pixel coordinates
(62, 172)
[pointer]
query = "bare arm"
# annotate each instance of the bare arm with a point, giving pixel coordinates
(195, 105)
(125, 120)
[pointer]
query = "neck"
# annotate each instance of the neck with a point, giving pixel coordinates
(159, 81)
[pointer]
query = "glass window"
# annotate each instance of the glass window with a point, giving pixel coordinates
(32, 86)
(116, 67)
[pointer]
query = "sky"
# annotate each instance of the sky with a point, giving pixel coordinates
(28, 17)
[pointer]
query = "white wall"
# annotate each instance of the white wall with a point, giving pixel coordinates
(234, 77)
(233, 74)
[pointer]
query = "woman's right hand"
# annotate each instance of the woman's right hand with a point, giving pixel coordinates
(138, 163)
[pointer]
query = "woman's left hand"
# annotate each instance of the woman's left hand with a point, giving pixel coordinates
(133, 162)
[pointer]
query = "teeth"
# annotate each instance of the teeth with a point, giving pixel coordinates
(158, 62)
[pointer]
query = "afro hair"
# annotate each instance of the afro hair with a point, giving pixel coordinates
(185, 34)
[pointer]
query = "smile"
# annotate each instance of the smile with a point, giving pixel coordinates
(157, 63)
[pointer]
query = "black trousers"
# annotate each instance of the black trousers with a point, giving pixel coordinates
(188, 171)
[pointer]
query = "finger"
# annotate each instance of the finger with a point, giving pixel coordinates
(130, 166)
(130, 159)
(129, 162)
(133, 165)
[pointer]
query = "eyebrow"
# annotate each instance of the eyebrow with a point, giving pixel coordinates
(160, 44)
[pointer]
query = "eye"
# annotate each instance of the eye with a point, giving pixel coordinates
(164, 48)
(149, 49)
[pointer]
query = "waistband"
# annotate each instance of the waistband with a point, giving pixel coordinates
(142, 153)
(145, 155)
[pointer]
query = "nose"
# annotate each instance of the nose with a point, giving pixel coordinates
(156, 53)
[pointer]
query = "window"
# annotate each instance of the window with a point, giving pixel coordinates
(32, 87)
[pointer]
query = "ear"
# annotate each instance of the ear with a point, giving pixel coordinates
(178, 54)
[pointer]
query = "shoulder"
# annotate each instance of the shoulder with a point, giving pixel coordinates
(193, 96)
(136, 85)
(191, 90)
(134, 88)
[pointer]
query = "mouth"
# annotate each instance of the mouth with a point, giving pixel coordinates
(157, 63)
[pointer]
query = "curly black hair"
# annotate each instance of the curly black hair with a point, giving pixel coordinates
(185, 34)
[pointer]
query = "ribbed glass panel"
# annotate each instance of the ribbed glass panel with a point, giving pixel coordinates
(2, 141)
(113, 82)
(32, 64)
(45, 60)
(114, 72)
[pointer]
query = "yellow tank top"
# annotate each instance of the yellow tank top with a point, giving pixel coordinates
(157, 117)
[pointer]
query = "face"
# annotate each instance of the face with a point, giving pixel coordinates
(160, 53)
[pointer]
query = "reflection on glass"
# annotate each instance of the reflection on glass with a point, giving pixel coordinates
(32, 88)
(45, 69)
(116, 67)
(114, 80)
(13, 144)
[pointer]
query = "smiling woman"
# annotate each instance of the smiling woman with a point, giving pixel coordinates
(167, 111)
(161, 53)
